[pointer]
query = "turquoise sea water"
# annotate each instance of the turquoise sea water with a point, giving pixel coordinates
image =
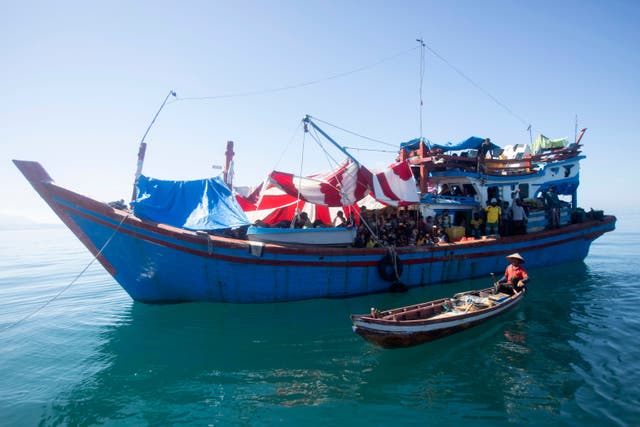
(569, 355)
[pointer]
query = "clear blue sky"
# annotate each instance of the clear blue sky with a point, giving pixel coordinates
(82, 80)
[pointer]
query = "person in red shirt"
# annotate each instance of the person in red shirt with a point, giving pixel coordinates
(515, 277)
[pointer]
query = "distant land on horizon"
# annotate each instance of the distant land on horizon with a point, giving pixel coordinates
(8, 222)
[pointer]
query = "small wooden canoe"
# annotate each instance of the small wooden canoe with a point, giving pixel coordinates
(419, 323)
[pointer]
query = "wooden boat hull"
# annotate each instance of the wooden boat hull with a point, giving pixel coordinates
(397, 334)
(158, 263)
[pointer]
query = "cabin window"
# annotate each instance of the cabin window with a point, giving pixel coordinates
(456, 190)
(452, 189)
(567, 170)
(524, 191)
(444, 190)
(492, 192)
(468, 190)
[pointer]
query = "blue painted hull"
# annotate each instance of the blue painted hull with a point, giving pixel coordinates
(158, 263)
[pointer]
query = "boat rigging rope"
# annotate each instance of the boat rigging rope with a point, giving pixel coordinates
(63, 290)
(265, 184)
(358, 149)
(297, 212)
(330, 159)
(481, 89)
(421, 46)
(298, 85)
(354, 133)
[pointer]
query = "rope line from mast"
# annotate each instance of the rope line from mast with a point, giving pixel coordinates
(63, 290)
(480, 88)
(354, 133)
(297, 85)
(422, 69)
(332, 162)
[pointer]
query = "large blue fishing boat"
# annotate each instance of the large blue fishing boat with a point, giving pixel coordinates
(162, 252)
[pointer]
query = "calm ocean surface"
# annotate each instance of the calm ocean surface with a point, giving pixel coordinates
(569, 355)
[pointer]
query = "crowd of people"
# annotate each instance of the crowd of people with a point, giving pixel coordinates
(409, 228)
(383, 228)
(401, 228)
(500, 219)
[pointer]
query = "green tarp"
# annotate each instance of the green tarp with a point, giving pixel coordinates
(542, 143)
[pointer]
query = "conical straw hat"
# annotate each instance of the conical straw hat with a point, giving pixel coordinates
(515, 256)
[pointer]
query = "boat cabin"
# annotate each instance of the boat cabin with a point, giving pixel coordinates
(462, 179)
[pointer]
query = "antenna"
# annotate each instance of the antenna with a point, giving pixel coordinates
(422, 58)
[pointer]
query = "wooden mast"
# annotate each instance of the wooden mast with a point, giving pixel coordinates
(227, 173)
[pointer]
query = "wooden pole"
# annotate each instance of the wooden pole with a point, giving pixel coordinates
(143, 147)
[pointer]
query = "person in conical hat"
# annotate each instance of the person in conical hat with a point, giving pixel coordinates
(515, 256)
(515, 277)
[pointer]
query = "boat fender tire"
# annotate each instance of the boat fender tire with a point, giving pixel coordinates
(398, 287)
(386, 270)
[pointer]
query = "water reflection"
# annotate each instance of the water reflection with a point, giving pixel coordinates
(198, 363)
(223, 356)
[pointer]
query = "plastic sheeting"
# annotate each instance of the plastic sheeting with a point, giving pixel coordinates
(206, 204)
(565, 187)
(321, 196)
(471, 143)
(350, 183)
(542, 142)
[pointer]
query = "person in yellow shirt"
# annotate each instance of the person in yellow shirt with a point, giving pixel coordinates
(493, 217)
(476, 226)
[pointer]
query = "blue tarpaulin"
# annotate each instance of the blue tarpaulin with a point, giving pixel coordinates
(471, 143)
(564, 187)
(206, 204)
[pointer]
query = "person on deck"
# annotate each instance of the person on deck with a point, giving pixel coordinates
(371, 242)
(518, 218)
(442, 236)
(484, 149)
(318, 224)
(553, 207)
(364, 218)
(428, 223)
(447, 221)
(476, 226)
(493, 217)
(302, 221)
(360, 240)
(352, 220)
(515, 277)
(505, 219)
(340, 220)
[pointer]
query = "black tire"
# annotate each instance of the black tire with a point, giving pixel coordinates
(386, 269)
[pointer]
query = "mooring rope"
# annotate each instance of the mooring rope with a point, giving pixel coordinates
(72, 282)
(394, 258)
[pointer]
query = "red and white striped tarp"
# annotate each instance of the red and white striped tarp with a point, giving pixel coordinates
(322, 195)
